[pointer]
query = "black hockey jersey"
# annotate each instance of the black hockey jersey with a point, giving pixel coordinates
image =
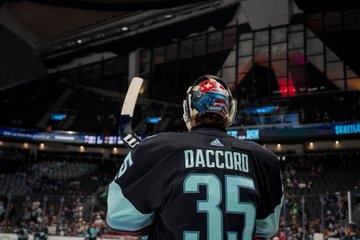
(197, 185)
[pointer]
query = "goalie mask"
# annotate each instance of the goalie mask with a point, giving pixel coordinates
(209, 94)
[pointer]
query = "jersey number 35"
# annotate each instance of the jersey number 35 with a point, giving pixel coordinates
(210, 206)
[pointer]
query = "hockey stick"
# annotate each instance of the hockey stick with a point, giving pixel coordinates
(128, 136)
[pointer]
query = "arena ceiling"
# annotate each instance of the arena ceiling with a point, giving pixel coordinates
(49, 21)
(56, 19)
(59, 29)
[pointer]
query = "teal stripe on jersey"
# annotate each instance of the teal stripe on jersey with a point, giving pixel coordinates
(122, 214)
(267, 227)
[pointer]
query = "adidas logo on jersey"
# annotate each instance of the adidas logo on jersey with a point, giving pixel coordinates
(216, 142)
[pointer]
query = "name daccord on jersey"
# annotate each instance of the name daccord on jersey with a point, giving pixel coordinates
(210, 158)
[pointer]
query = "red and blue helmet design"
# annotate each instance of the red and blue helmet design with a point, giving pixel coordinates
(209, 94)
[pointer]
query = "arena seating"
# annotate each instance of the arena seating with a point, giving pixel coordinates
(65, 184)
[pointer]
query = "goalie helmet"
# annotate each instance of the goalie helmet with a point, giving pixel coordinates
(209, 93)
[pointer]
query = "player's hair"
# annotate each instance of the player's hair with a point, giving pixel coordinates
(208, 97)
(211, 119)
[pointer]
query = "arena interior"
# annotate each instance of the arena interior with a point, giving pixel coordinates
(65, 66)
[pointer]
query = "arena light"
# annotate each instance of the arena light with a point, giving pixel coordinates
(337, 144)
(142, 90)
(25, 145)
(278, 147)
(42, 146)
(82, 149)
(311, 145)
